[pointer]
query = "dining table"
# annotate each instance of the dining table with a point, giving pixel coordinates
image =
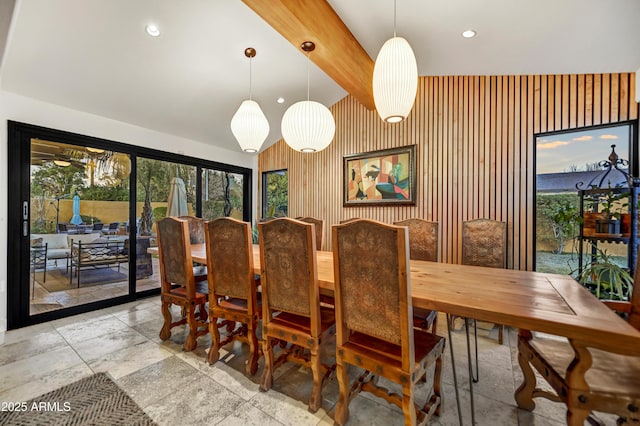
(529, 301)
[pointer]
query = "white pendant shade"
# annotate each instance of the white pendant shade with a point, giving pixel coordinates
(308, 126)
(250, 126)
(395, 80)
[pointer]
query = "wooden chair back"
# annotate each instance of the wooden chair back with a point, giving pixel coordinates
(230, 258)
(423, 239)
(484, 243)
(319, 228)
(349, 220)
(196, 229)
(289, 272)
(174, 252)
(372, 287)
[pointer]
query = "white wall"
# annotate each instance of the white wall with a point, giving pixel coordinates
(31, 111)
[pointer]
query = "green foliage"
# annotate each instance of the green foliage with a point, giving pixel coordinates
(558, 218)
(606, 279)
(106, 193)
(90, 219)
(277, 194)
(53, 181)
(611, 203)
(159, 213)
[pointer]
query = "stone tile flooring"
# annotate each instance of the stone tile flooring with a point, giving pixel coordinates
(176, 387)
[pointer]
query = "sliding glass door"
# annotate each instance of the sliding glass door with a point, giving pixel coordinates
(83, 213)
(79, 204)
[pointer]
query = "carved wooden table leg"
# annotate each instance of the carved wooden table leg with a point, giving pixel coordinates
(524, 393)
(578, 387)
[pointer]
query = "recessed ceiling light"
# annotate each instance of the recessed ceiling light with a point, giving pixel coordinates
(61, 163)
(152, 30)
(280, 100)
(468, 33)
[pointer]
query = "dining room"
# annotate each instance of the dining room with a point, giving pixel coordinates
(474, 206)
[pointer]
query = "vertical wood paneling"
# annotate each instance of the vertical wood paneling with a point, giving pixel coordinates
(475, 151)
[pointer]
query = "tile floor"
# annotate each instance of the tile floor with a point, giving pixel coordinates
(176, 387)
(44, 301)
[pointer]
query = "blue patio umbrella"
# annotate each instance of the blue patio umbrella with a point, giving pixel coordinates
(76, 219)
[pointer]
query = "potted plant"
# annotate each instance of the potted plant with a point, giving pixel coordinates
(611, 211)
(605, 279)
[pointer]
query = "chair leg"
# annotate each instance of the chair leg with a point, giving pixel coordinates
(437, 379)
(342, 408)
(500, 333)
(165, 333)
(254, 350)
(214, 350)
(408, 407)
(315, 400)
(191, 342)
(267, 375)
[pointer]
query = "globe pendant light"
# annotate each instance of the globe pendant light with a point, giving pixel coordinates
(308, 126)
(395, 78)
(249, 124)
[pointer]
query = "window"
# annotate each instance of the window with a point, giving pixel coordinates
(275, 193)
(564, 160)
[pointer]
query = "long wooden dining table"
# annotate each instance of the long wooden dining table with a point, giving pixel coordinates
(530, 301)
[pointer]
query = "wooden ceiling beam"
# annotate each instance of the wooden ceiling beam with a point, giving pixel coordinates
(337, 51)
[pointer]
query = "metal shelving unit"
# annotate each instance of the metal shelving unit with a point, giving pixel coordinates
(596, 196)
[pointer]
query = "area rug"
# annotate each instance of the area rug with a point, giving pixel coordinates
(58, 279)
(95, 400)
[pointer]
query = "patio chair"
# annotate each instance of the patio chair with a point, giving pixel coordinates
(373, 321)
(113, 229)
(38, 258)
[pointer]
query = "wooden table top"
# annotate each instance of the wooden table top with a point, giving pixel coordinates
(550, 303)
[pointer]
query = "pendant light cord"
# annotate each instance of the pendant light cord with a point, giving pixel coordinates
(250, 82)
(308, 72)
(394, 18)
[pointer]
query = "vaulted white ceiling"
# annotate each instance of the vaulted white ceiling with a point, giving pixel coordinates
(94, 55)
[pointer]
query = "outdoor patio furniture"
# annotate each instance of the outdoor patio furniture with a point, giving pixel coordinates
(96, 254)
(38, 255)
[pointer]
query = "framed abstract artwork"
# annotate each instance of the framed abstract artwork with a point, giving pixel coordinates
(386, 177)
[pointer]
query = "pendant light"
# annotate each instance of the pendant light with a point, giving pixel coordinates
(308, 126)
(395, 78)
(249, 124)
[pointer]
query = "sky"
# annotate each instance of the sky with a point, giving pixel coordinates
(556, 153)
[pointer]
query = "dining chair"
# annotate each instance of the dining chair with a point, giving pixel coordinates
(319, 228)
(177, 282)
(196, 236)
(291, 309)
(349, 220)
(232, 288)
(611, 385)
(374, 321)
(484, 243)
(423, 245)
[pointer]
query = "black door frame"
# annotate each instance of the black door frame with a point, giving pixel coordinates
(18, 215)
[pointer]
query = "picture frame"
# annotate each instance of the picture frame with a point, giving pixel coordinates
(384, 177)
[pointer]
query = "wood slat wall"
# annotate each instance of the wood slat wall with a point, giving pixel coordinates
(474, 138)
